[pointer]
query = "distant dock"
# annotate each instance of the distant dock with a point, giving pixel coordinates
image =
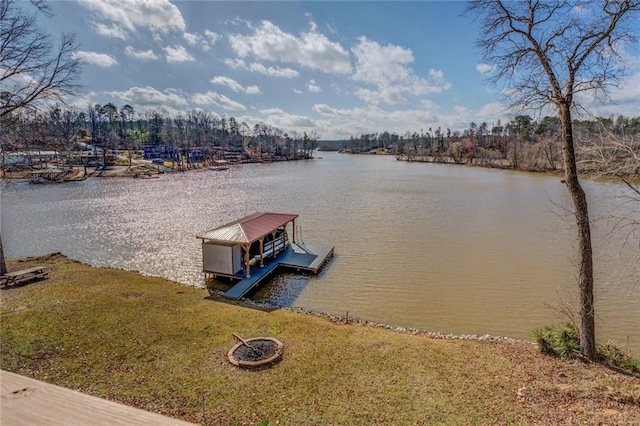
(254, 247)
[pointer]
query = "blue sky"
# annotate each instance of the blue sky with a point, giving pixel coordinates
(334, 68)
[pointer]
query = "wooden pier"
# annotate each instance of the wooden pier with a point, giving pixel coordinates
(297, 257)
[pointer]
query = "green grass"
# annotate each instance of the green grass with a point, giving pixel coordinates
(161, 346)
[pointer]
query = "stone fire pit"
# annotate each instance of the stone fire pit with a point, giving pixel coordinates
(255, 352)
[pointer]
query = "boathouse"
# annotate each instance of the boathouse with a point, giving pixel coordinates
(251, 248)
(234, 247)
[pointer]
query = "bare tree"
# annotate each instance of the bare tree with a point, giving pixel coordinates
(547, 52)
(3, 263)
(613, 154)
(32, 68)
(616, 154)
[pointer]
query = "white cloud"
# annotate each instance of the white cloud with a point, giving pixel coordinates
(436, 75)
(325, 109)
(461, 110)
(229, 82)
(460, 116)
(235, 64)
(272, 111)
(14, 83)
(629, 93)
(110, 31)
(213, 98)
(191, 38)
(252, 90)
(430, 105)
(100, 59)
(484, 69)
(273, 71)
(343, 122)
(149, 96)
(622, 100)
(140, 54)
(127, 16)
(312, 49)
(205, 42)
(493, 111)
(388, 95)
(380, 65)
(579, 9)
(212, 36)
(387, 68)
(312, 24)
(313, 87)
(286, 121)
(235, 86)
(297, 91)
(177, 54)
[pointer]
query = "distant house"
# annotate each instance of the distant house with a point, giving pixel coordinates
(25, 158)
(152, 151)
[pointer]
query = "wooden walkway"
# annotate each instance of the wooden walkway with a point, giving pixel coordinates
(298, 257)
(26, 401)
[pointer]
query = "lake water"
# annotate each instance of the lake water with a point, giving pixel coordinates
(437, 247)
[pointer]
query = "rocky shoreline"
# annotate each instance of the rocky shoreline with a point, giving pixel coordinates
(347, 320)
(334, 318)
(406, 330)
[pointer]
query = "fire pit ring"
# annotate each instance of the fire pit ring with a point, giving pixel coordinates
(255, 352)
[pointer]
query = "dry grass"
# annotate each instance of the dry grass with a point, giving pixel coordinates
(160, 346)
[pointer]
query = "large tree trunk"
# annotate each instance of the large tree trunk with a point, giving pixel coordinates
(585, 252)
(3, 264)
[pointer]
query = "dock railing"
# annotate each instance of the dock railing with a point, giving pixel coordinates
(272, 248)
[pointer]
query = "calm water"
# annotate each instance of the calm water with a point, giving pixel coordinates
(437, 247)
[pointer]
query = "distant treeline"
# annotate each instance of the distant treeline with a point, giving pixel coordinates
(108, 127)
(522, 143)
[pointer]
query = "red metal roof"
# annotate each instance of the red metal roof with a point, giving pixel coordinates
(249, 228)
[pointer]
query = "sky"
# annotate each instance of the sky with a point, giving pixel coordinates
(335, 68)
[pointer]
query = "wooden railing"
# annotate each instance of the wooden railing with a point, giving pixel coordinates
(275, 246)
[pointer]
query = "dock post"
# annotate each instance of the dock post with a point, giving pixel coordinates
(247, 265)
(262, 252)
(293, 223)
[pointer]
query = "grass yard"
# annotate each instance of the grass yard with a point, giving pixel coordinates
(161, 346)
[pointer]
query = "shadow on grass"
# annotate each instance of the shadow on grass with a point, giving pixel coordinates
(216, 296)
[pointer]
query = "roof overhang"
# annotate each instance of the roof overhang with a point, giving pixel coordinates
(248, 229)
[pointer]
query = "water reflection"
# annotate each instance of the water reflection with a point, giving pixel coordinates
(448, 248)
(283, 289)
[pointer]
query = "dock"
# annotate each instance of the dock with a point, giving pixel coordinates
(250, 249)
(297, 257)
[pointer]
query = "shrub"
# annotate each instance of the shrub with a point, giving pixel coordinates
(611, 354)
(560, 340)
(543, 338)
(563, 341)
